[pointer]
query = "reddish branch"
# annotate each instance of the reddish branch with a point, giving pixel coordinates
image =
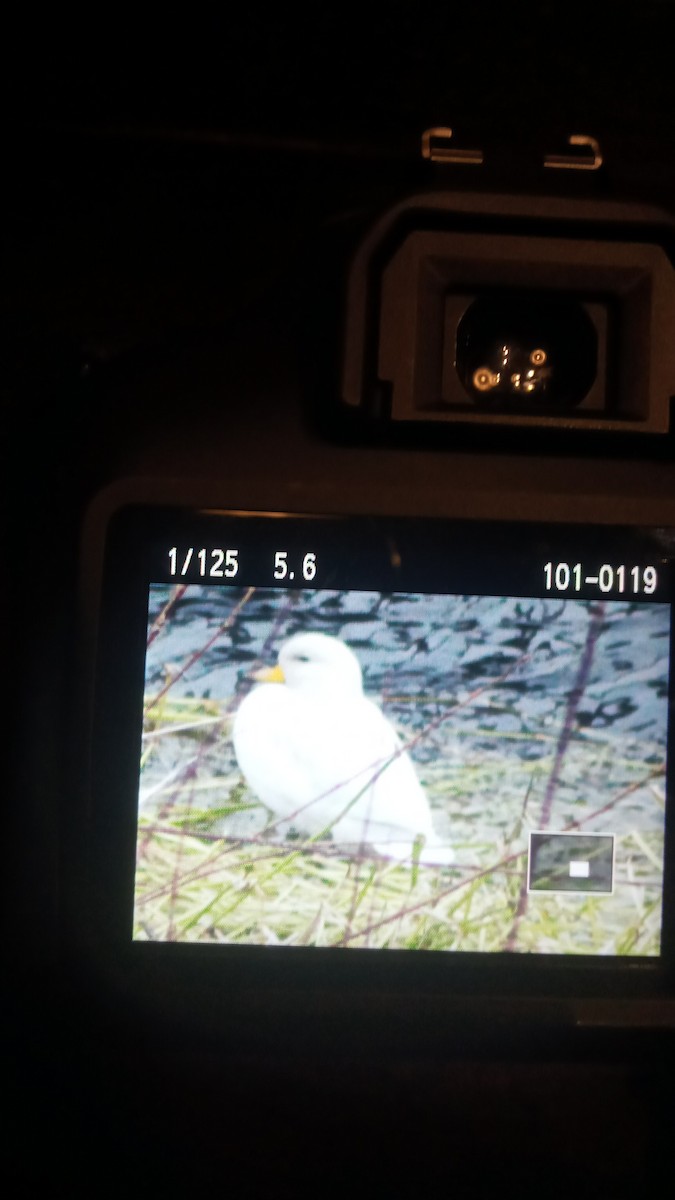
(189, 662)
(569, 725)
(158, 625)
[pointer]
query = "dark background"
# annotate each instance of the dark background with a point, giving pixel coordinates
(170, 186)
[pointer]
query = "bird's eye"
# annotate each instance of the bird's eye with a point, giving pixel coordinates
(302, 658)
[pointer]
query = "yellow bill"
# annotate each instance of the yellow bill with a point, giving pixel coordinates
(269, 675)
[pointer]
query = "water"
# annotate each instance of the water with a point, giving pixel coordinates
(478, 687)
(420, 652)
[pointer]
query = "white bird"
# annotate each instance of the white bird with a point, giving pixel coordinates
(323, 757)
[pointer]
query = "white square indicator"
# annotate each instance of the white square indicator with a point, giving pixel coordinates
(571, 862)
(579, 869)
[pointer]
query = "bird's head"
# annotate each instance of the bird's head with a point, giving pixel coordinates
(314, 663)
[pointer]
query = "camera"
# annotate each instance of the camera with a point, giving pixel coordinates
(479, 822)
(483, 811)
(341, 846)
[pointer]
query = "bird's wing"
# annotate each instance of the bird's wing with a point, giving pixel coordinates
(392, 799)
(335, 765)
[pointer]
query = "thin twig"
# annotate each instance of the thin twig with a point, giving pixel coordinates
(573, 700)
(201, 651)
(160, 621)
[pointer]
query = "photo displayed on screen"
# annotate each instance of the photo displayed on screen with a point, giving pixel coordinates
(402, 771)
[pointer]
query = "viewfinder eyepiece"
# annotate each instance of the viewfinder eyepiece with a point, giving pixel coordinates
(529, 313)
(526, 353)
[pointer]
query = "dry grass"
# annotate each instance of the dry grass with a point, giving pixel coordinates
(196, 886)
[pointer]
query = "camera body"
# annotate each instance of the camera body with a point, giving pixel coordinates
(553, 459)
(211, 343)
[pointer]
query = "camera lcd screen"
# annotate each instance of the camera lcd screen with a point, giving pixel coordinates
(403, 735)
